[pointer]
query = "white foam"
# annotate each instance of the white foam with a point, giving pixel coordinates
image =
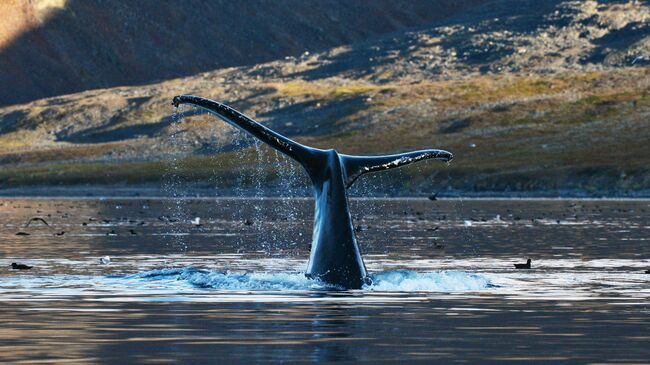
(442, 281)
(393, 280)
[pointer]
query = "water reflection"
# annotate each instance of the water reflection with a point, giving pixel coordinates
(331, 327)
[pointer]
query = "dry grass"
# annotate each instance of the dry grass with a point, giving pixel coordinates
(325, 89)
(521, 125)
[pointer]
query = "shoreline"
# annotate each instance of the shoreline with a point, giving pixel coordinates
(156, 192)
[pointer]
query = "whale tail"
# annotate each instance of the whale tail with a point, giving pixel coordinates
(289, 147)
(335, 256)
(355, 166)
(308, 157)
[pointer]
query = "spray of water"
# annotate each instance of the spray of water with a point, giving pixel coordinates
(384, 281)
(172, 183)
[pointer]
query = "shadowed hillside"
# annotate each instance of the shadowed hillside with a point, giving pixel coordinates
(53, 47)
(548, 97)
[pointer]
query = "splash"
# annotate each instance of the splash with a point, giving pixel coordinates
(442, 281)
(233, 281)
(390, 281)
(172, 182)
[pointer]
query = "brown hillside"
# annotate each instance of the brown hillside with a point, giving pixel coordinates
(53, 47)
(543, 97)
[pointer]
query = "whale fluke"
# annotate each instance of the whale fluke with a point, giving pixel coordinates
(335, 256)
(231, 116)
(355, 166)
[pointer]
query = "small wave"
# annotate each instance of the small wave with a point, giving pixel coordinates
(394, 280)
(235, 281)
(442, 281)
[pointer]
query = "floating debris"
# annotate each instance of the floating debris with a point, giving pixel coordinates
(35, 219)
(361, 228)
(166, 218)
(523, 266)
(105, 260)
(16, 266)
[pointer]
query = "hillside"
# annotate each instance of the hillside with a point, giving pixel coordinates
(540, 98)
(54, 47)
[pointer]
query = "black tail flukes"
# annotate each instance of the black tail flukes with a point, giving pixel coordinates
(354, 166)
(335, 255)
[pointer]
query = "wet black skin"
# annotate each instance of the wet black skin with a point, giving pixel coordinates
(335, 256)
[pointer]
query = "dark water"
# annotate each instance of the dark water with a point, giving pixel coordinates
(231, 289)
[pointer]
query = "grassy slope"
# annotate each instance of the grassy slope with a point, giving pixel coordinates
(573, 130)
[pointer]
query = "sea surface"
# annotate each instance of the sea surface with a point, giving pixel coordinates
(220, 280)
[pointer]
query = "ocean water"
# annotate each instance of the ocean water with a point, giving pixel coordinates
(229, 286)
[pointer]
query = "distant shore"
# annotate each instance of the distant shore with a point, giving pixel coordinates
(156, 191)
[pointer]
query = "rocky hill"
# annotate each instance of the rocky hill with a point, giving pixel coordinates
(54, 47)
(549, 97)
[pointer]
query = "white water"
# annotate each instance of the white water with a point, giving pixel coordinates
(179, 282)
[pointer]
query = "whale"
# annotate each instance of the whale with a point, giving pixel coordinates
(335, 256)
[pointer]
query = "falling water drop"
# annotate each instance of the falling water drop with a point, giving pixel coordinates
(172, 181)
